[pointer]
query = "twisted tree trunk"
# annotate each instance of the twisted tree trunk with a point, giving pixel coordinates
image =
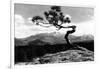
(66, 37)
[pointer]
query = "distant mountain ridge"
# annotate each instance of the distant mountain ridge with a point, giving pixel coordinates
(50, 38)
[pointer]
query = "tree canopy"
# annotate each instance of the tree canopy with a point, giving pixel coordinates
(53, 16)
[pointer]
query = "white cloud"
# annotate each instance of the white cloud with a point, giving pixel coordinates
(20, 28)
(19, 20)
(29, 21)
(23, 30)
(85, 28)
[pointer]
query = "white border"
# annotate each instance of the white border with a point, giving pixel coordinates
(12, 35)
(86, 3)
(47, 2)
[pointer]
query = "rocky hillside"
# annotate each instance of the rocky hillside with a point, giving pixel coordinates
(62, 57)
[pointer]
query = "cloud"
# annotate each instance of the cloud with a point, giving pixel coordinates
(19, 20)
(29, 21)
(20, 27)
(25, 28)
(85, 28)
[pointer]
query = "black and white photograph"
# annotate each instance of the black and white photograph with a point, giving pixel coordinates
(50, 34)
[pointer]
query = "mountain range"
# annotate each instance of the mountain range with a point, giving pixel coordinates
(51, 38)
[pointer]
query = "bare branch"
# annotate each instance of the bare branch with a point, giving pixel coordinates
(44, 24)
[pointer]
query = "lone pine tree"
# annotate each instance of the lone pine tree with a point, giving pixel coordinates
(56, 18)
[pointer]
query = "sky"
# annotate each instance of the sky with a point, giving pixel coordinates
(82, 17)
